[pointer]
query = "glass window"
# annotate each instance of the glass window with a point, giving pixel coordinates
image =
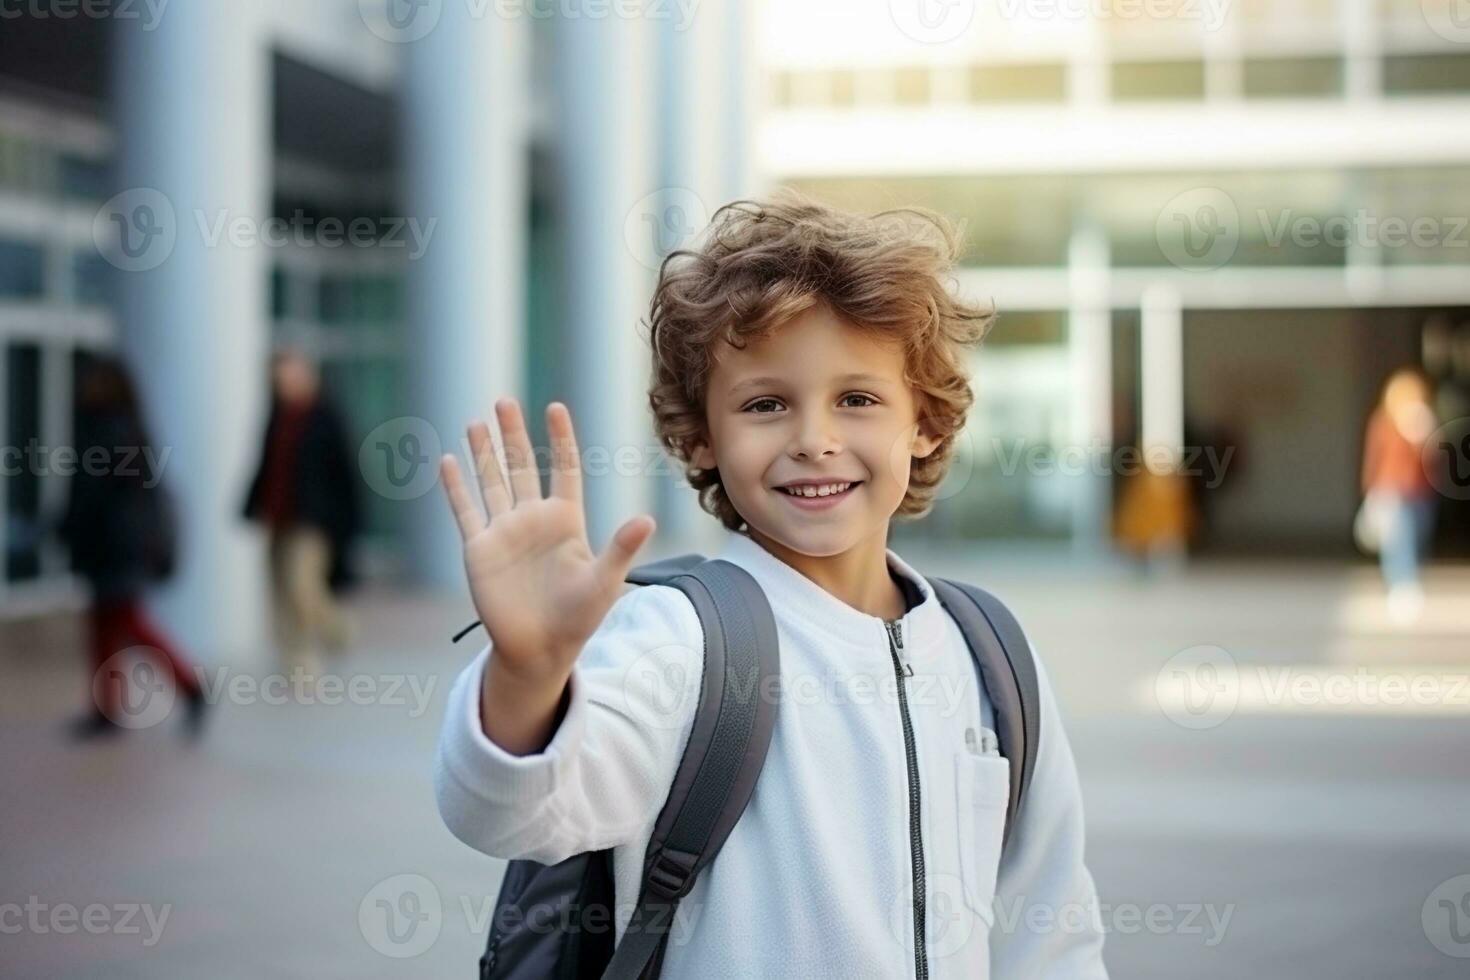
(1018, 83)
(911, 86)
(22, 269)
(1003, 221)
(782, 89)
(334, 300)
(83, 178)
(1425, 74)
(1265, 78)
(365, 390)
(844, 88)
(280, 299)
(92, 278)
(1275, 218)
(1172, 80)
(1420, 215)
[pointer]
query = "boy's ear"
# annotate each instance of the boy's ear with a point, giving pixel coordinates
(701, 456)
(925, 439)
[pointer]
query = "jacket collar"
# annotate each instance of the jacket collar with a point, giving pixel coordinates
(793, 595)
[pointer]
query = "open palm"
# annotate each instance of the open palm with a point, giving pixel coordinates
(538, 587)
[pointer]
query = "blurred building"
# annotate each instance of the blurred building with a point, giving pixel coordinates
(441, 201)
(1204, 224)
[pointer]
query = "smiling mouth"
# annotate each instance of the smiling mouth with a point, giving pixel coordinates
(814, 494)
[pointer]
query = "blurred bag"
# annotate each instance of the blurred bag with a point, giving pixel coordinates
(1372, 522)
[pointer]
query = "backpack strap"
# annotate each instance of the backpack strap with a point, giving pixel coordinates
(1008, 672)
(661, 572)
(726, 750)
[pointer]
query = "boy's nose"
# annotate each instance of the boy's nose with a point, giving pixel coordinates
(815, 439)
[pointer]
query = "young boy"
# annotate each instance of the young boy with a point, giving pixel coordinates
(809, 370)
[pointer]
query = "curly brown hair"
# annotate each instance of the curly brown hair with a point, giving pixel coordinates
(762, 263)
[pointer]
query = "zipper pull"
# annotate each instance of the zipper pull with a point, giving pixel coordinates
(895, 630)
(895, 633)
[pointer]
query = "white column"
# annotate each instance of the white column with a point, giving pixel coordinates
(698, 134)
(191, 119)
(604, 177)
(1090, 367)
(464, 141)
(744, 92)
(1161, 343)
(1363, 51)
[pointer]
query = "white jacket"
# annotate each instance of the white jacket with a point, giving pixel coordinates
(816, 879)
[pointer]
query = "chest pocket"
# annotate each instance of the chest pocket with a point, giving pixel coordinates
(983, 786)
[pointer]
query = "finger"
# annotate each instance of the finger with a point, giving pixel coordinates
(566, 460)
(520, 460)
(466, 514)
(615, 561)
(487, 467)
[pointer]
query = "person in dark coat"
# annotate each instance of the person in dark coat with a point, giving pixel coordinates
(305, 494)
(120, 531)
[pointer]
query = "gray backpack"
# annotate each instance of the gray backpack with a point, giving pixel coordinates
(556, 921)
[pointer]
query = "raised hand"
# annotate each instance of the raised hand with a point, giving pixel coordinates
(538, 587)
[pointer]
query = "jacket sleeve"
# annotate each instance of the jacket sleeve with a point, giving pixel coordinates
(606, 771)
(1043, 869)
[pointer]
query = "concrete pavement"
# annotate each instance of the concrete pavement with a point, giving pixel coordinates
(1238, 825)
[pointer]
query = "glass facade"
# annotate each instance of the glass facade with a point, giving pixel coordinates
(54, 291)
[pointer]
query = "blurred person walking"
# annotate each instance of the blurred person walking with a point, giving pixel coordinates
(1397, 513)
(305, 493)
(120, 530)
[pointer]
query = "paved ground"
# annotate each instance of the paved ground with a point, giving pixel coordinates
(1238, 825)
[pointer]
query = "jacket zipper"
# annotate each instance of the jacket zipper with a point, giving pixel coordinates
(916, 842)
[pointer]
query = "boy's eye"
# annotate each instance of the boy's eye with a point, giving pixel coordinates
(755, 405)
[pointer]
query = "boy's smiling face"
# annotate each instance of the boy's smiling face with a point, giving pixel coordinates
(820, 400)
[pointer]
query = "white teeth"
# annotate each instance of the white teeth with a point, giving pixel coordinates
(823, 491)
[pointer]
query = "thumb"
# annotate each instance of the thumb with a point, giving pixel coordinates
(617, 558)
